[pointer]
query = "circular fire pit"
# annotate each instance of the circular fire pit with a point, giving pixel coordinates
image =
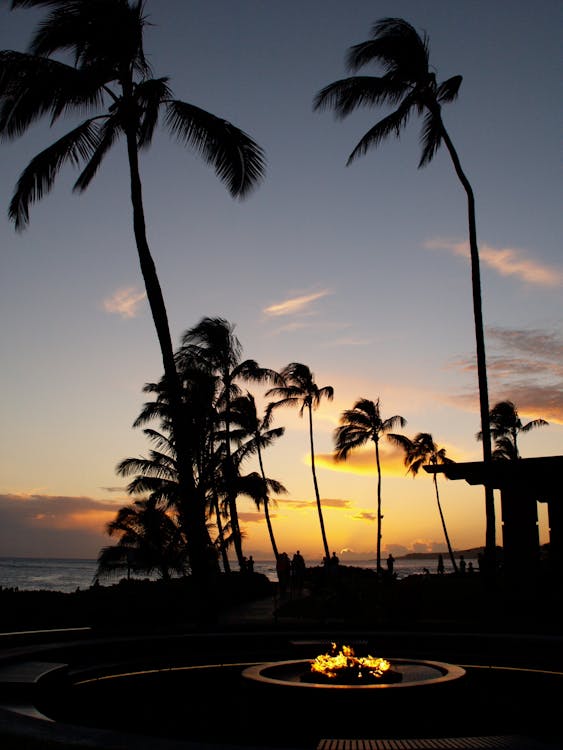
(295, 674)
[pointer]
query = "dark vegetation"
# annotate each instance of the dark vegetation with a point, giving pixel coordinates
(341, 599)
(132, 604)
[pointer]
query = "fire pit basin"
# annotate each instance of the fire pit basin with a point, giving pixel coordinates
(413, 672)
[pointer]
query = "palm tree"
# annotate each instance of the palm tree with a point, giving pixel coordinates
(149, 540)
(506, 425)
(359, 425)
(299, 389)
(261, 436)
(423, 450)
(213, 347)
(409, 84)
(111, 76)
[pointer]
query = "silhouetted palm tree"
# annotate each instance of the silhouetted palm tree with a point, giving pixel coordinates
(409, 84)
(213, 347)
(149, 540)
(300, 390)
(359, 425)
(506, 425)
(111, 76)
(261, 436)
(423, 450)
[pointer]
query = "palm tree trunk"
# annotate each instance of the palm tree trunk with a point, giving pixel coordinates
(266, 509)
(379, 516)
(317, 495)
(450, 550)
(196, 526)
(230, 478)
(490, 534)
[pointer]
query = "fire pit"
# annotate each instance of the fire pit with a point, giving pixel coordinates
(343, 670)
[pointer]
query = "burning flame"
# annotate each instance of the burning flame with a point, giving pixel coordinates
(345, 661)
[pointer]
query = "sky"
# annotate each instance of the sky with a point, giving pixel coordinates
(360, 272)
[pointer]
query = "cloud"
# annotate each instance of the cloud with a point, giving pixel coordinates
(53, 526)
(295, 305)
(364, 515)
(506, 261)
(524, 366)
(362, 461)
(125, 302)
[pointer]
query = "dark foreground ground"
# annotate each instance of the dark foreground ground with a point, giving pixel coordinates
(176, 656)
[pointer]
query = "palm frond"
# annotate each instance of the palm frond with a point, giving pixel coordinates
(237, 160)
(150, 94)
(108, 133)
(31, 87)
(448, 90)
(104, 34)
(348, 94)
(392, 124)
(430, 138)
(38, 177)
(396, 46)
(534, 424)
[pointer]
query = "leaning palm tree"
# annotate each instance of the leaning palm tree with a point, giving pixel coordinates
(110, 76)
(409, 84)
(423, 450)
(506, 425)
(299, 389)
(359, 425)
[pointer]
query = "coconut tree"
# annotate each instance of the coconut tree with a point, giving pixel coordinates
(148, 540)
(300, 390)
(423, 450)
(506, 425)
(213, 347)
(409, 85)
(358, 426)
(261, 435)
(109, 77)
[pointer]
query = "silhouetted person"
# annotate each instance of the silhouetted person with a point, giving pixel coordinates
(283, 568)
(334, 561)
(462, 565)
(470, 567)
(390, 564)
(250, 565)
(298, 571)
(440, 565)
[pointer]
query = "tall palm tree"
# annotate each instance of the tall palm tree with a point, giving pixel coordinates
(423, 450)
(299, 389)
(110, 76)
(261, 436)
(506, 425)
(212, 346)
(363, 423)
(409, 84)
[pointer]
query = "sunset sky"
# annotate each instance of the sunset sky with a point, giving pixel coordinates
(360, 272)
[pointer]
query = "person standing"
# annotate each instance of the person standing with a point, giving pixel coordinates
(298, 571)
(440, 564)
(390, 564)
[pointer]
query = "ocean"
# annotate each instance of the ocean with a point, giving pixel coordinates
(67, 575)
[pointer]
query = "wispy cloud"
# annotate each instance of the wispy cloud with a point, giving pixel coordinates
(295, 305)
(125, 302)
(526, 367)
(507, 261)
